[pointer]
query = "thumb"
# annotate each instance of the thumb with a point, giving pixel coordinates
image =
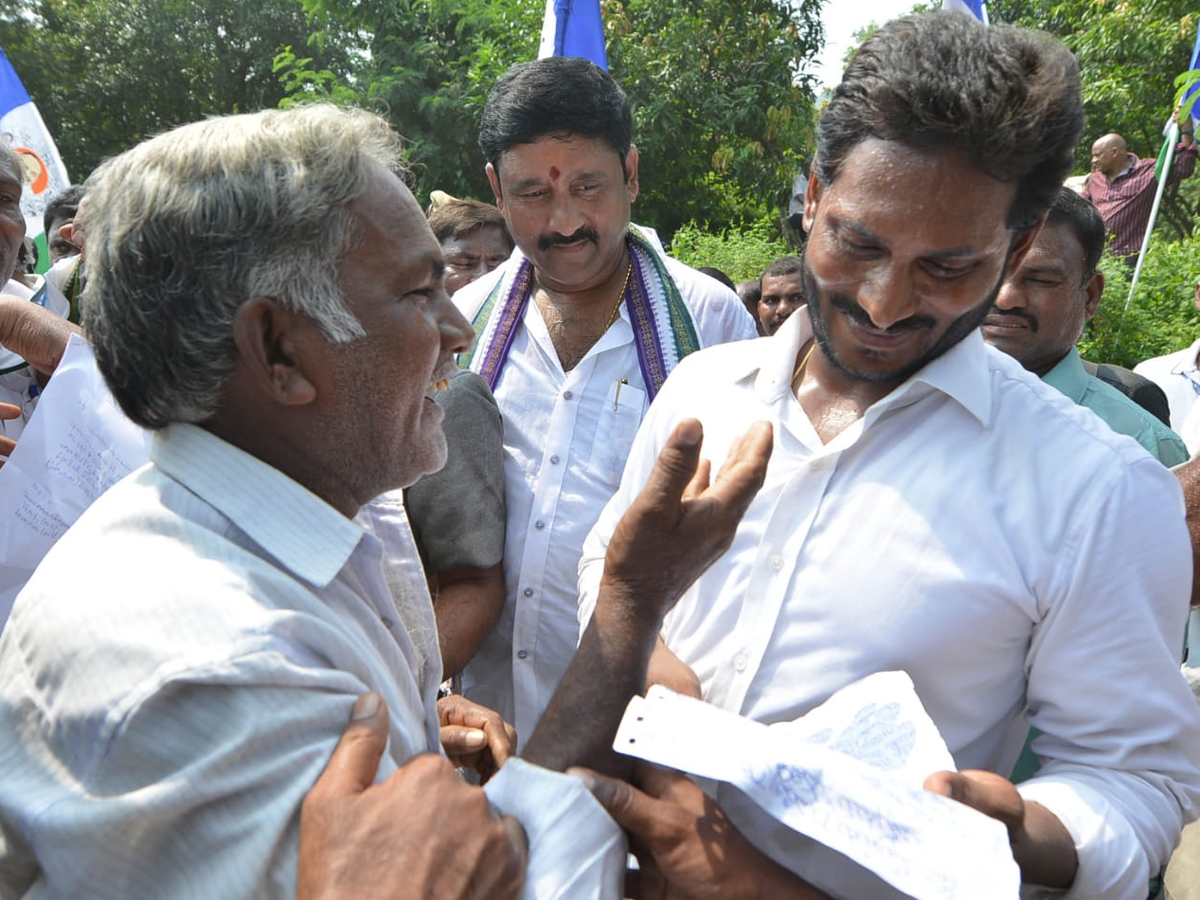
(675, 466)
(989, 793)
(355, 760)
(629, 807)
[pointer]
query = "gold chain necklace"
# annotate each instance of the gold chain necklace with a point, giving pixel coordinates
(804, 362)
(620, 297)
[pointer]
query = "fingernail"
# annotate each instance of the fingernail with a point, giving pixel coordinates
(474, 739)
(366, 707)
(690, 433)
(584, 775)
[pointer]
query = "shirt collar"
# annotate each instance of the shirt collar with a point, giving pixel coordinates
(962, 372)
(1069, 376)
(1187, 361)
(300, 530)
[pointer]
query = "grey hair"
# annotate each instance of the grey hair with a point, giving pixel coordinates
(186, 227)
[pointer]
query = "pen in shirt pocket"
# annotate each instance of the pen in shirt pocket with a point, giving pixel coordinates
(617, 393)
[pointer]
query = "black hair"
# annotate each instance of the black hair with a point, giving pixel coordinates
(1007, 99)
(559, 96)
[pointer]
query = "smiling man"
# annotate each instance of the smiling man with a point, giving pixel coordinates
(265, 295)
(1040, 312)
(932, 507)
(576, 333)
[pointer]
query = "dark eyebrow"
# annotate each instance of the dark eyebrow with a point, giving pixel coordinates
(1049, 269)
(868, 235)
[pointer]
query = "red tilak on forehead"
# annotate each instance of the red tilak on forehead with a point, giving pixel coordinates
(554, 173)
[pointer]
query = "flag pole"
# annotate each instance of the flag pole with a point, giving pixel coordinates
(1172, 137)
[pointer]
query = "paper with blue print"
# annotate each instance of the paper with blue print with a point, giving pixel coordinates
(849, 775)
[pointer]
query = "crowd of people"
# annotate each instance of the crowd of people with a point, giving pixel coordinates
(429, 491)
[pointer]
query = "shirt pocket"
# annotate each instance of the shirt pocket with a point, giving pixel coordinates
(620, 416)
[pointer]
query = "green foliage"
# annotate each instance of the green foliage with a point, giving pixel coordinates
(722, 119)
(1161, 316)
(106, 74)
(741, 253)
(1129, 52)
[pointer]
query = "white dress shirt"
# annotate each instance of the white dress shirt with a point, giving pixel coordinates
(566, 437)
(979, 531)
(176, 673)
(1177, 374)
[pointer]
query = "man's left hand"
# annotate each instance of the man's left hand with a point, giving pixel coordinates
(475, 737)
(1041, 844)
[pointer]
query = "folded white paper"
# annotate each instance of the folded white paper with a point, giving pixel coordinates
(76, 445)
(575, 849)
(847, 775)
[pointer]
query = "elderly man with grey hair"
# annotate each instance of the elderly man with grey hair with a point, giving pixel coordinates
(175, 675)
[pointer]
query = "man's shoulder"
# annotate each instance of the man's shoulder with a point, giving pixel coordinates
(1162, 365)
(1053, 425)
(1125, 416)
(720, 316)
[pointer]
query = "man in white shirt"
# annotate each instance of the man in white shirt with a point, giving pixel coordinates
(176, 673)
(1179, 376)
(575, 334)
(931, 506)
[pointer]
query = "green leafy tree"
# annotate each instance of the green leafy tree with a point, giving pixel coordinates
(106, 74)
(723, 120)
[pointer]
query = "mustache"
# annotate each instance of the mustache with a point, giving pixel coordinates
(860, 316)
(1016, 314)
(546, 241)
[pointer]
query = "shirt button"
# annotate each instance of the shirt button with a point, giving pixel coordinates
(776, 563)
(554, 460)
(567, 395)
(539, 524)
(528, 592)
(739, 662)
(817, 465)
(387, 623)
(521, 654)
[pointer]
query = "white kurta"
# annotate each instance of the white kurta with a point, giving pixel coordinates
(566, 438)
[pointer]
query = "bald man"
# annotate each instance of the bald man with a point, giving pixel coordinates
(1122, 186)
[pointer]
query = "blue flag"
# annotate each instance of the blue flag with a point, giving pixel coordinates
(42, 172)
(976, 8)
(574, 28)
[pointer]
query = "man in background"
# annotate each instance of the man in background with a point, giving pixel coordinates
(575, 335)
(1041, 310)
(1122, 186)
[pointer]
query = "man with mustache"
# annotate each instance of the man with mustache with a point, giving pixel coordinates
(932, 507)
(575, 334)
(1040, 312)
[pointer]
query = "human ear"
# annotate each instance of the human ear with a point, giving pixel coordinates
(266, 336)
(812, 198)
(494, 181)
(1093, 291)
(631, 172)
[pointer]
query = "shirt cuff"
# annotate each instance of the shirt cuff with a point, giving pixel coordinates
(1112, 863)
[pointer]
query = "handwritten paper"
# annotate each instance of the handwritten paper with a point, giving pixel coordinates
(575, 849)
(847, 775)
(77, 445)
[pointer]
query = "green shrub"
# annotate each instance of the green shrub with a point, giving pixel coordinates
(1160, 318)
(740, 253)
